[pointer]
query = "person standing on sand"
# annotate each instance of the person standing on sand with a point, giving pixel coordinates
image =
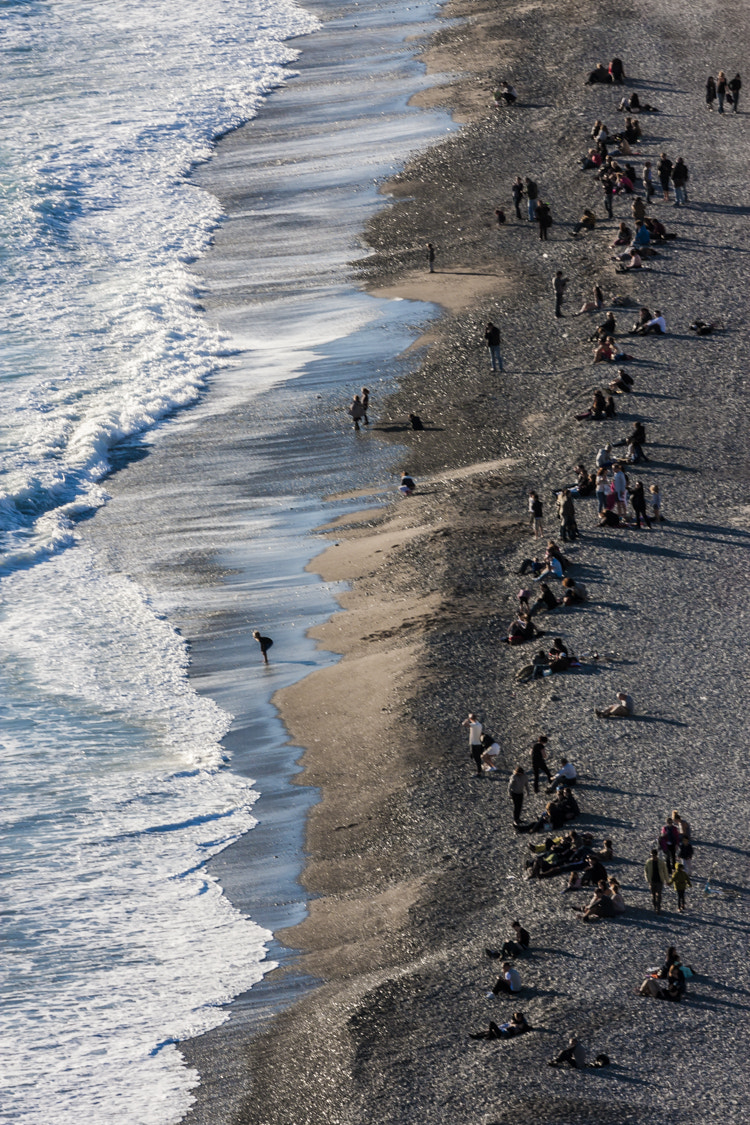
(680, 177)
(559, 284)
(535, 512)
(475, 741)
(431, 257)
(517, 786)
(517, 193)
(365, 404)
(493, 340)
(265, 643)
(653, 878)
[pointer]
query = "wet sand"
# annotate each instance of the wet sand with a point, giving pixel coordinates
(414, 867)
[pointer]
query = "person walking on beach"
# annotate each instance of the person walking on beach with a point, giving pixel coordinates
(365, 404)
(539, 761)
(721, 89)
(356, 410)
(559, 284)
(648, 181)
(493, 340)
(431, 257)
(517, 786)
(475, 741)
(653, 878)
(680, 880)
(516, 192)
(735, 86)
(265, 643)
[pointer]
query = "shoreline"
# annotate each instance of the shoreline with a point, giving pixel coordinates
(413, 871)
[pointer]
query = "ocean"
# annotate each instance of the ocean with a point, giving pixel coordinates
(174, 368)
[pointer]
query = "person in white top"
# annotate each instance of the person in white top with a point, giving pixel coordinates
(510, 981)
(475, 741)
(566, 775)
(657, 324)
(620, 483)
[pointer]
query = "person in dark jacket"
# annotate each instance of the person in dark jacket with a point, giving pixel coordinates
(517, 193)
(721, 89)
(638, 501)
(492, 339)
(664, 172)
(539, 761)
(654, 879)
(599, 75)
(735, 86)
(544, 218)
(265, 643)
(680, 177)
(710, 92)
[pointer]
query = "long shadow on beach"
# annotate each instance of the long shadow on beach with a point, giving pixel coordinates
(640, 548)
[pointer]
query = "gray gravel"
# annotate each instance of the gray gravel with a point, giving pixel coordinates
(668, 617)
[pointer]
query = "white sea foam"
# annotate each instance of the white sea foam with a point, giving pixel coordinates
(116, 940)
(102, 336)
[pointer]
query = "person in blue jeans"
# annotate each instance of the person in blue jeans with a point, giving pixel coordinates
(532, 194)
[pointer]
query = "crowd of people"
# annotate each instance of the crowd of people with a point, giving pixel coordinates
(574, 855)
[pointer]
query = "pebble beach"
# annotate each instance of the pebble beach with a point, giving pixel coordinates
(414, 867)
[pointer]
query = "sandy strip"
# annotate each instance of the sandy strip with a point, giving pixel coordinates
(415, 862)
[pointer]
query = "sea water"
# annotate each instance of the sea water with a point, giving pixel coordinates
(115, 941)
(117, 789)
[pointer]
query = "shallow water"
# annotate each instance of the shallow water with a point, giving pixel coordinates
(120, 780)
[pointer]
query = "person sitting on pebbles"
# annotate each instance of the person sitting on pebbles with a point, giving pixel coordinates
(508, 981)
(673, 988)
(574, 1055)
(624, 708)
(567, 775)
(574, 593)
(656, 326)
(407, 485)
